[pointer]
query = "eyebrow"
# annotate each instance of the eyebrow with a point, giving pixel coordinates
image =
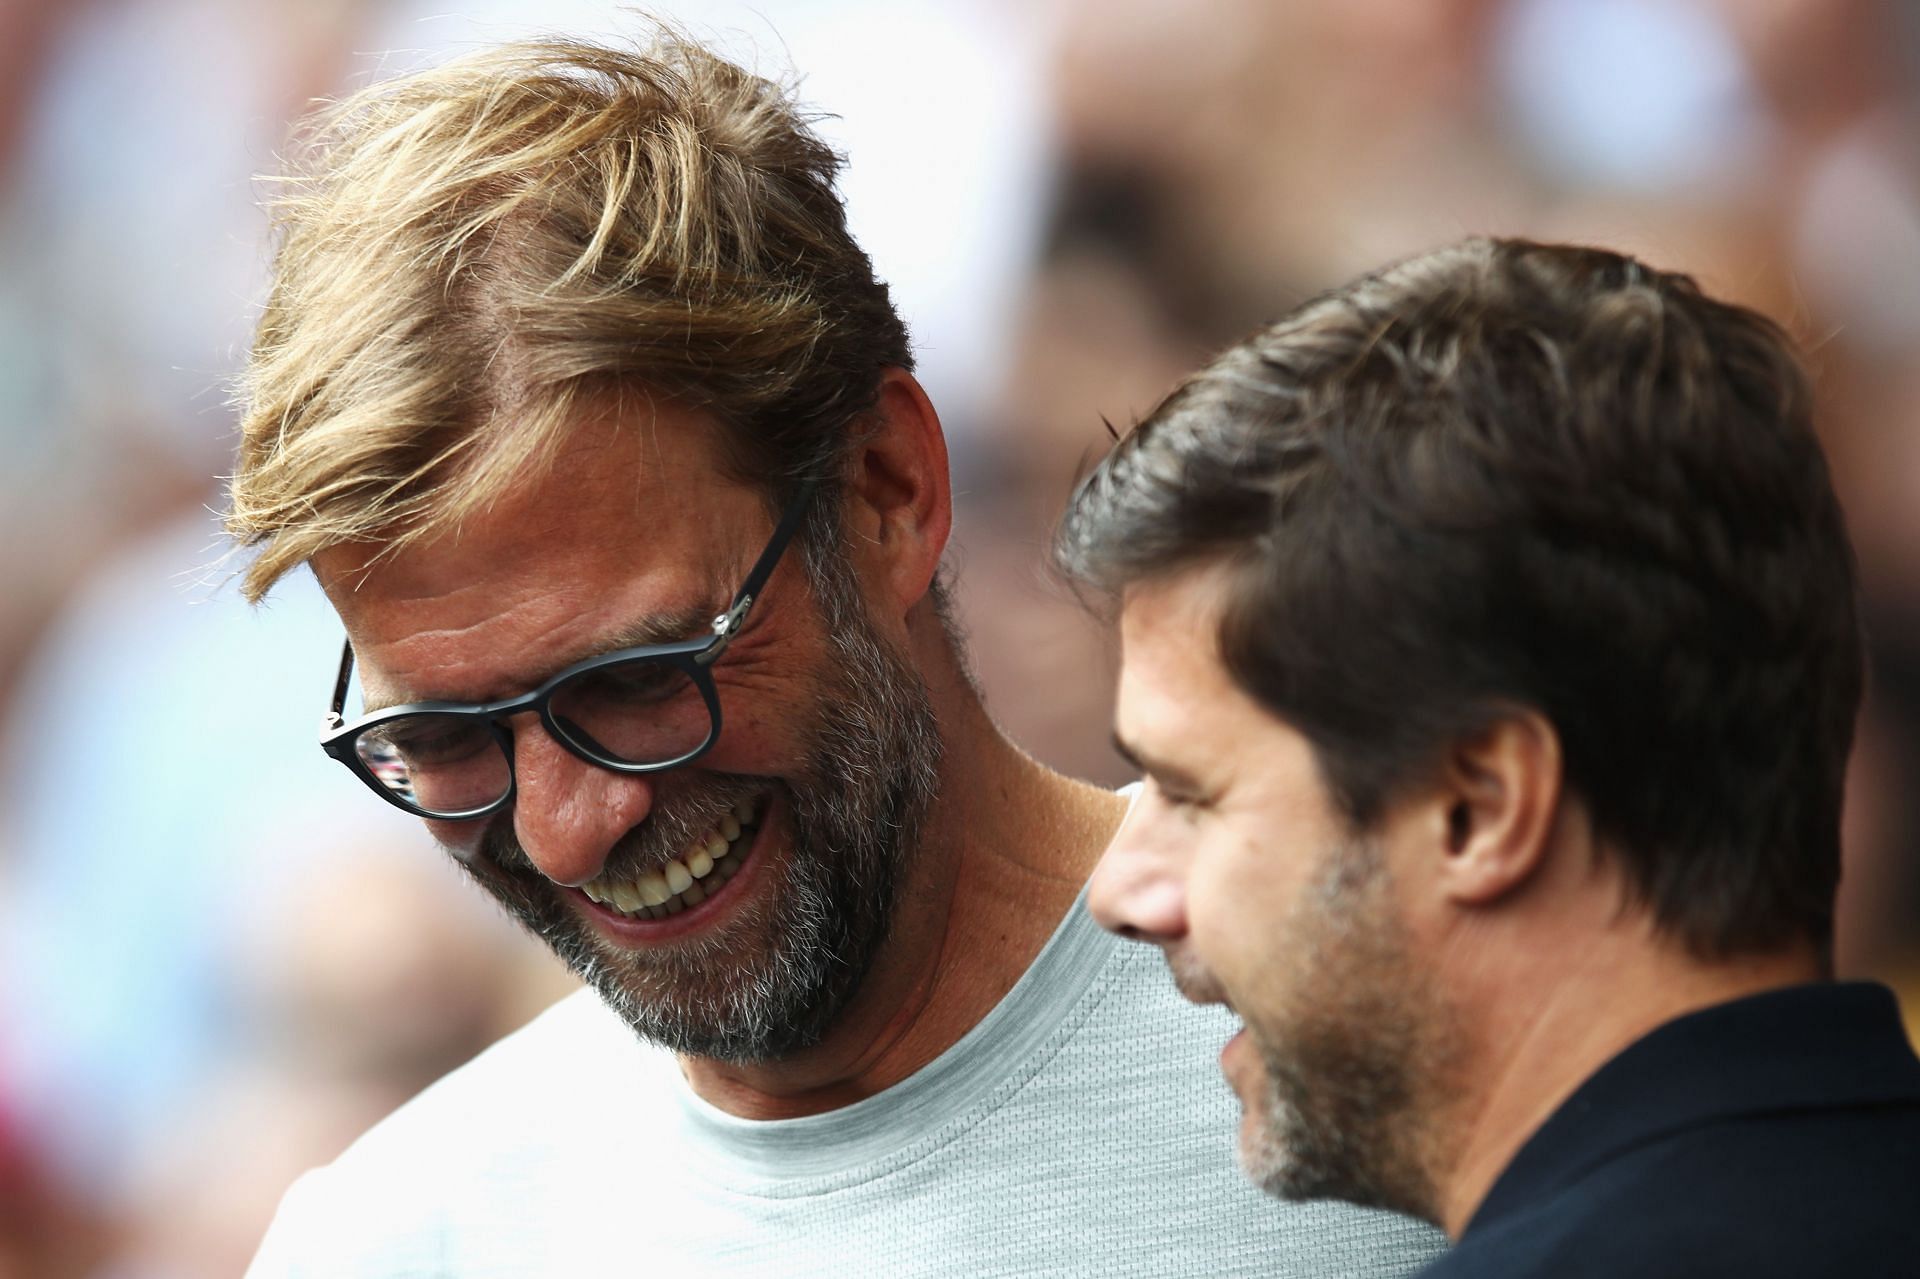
(1160, 770)
(660, 628)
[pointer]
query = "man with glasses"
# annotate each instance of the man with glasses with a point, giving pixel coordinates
(599, 433)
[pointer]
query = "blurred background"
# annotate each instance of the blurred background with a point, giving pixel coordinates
(220, 959)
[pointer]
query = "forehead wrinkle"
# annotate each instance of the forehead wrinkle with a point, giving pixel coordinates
(376, 694)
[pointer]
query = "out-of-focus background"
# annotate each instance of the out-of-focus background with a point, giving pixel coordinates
(220, 958)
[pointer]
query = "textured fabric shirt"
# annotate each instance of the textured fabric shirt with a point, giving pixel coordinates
(1777, 1135)
(1082, 1128)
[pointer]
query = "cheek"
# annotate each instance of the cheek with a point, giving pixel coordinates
(766, 725)
(461, 839)
(1239, 897)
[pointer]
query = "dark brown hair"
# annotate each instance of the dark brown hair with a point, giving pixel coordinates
(1514, 474)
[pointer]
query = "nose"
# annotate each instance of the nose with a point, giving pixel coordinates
(567, 813)
(1139, 888)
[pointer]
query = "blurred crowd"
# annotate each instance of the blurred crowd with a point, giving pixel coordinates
(218, 963)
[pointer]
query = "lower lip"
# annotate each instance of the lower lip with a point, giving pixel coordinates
(625, 930)
(1232, 1048)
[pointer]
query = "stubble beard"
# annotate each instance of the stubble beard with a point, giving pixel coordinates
(1355, 1062)
(772, 982)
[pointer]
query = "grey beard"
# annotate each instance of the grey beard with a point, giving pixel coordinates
(1344, 1067)
(871, 773)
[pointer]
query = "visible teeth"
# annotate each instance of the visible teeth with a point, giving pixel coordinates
(677, 885)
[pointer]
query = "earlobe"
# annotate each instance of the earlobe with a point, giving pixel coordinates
(901, 500)
(1501, 788)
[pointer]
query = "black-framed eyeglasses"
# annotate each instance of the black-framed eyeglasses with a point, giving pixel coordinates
(635, 710)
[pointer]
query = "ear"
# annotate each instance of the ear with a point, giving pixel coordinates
(900, 497)
(1499, 792)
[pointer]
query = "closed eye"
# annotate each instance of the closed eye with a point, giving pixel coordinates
(1180, 800)
(629, 684)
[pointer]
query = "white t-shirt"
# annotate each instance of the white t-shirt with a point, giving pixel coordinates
(1082, 1128)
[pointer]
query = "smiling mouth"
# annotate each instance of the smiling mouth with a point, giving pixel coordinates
(690, 877)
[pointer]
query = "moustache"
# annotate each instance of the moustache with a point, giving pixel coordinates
(693, 809)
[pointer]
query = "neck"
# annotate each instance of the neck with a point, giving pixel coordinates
(1004, 850)
(1576, 1007)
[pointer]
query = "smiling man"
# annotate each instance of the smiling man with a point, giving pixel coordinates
(1489, 647)
(600, 434)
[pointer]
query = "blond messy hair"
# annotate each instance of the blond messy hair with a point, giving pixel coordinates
(467, 251)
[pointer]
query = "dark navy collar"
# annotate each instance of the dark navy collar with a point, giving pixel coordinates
(1825, 1045)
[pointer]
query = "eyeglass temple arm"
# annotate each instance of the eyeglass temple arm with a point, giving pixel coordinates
(728, 622)
(333, 719)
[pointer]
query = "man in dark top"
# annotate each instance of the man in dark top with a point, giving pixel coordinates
(1490, 651)
(1775, 1134)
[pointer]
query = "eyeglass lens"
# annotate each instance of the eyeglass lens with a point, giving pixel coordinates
(641, 712)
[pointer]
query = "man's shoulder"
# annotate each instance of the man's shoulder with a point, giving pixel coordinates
(482, 1145)
(1805, 1192)
(518, 1097)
